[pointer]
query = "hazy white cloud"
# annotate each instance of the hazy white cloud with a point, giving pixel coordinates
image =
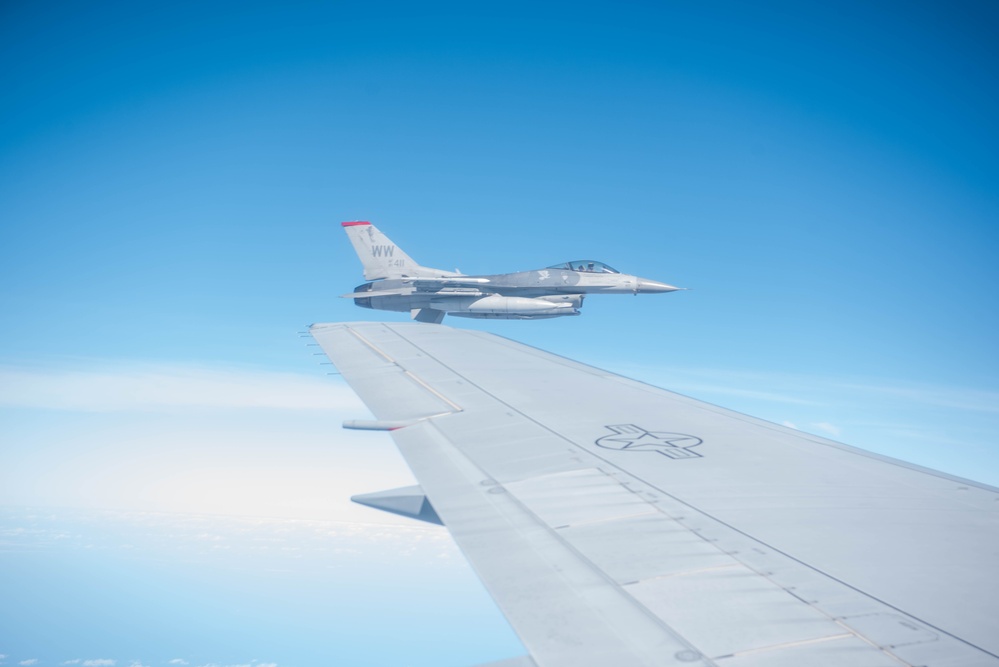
(178, 661)
(942, 397)
(826, 427)
(700, 388)
(199, 538)
(99, 662)
(77, 661)
(252, 663)
(30, 661)
(708, 383)
(790, 425)
(162, 387)
(803, 389)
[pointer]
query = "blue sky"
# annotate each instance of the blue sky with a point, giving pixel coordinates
(171, 182)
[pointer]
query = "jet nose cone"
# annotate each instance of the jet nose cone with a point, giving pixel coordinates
(653, 287)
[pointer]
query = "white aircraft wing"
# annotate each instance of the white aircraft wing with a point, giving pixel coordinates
(616, 523)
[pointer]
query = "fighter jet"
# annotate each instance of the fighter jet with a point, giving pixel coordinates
(396, 282)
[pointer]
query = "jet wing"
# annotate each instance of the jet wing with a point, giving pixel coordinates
(616, 523)
(447, 280)
(401, 291)
(409, 291)
(434, 284)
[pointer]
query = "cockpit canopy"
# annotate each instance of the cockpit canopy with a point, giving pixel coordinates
(586, 266)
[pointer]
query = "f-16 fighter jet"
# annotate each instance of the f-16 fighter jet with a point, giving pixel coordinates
(396, 282)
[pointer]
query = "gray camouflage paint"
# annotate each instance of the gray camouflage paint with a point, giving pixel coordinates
(398, 283)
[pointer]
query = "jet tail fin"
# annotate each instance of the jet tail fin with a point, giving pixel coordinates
(381, 258)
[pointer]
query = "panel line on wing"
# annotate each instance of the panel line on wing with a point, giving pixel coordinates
(607, 519)
(374, 347)
(778, 647)
(384, 355)
(457, 408)
(687, 573)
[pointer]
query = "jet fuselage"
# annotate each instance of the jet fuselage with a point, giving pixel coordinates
(397, 283)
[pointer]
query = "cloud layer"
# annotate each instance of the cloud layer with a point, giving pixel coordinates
(162, 387)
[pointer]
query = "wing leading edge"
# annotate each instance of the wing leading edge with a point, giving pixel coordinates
(617, 523)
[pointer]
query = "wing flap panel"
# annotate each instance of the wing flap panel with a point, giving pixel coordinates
(833, 652)
(657, 546)
(728, 609)
(578, 497)
(560, 606)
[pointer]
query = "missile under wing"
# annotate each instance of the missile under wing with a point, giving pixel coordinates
(615, 523)
(397, 282)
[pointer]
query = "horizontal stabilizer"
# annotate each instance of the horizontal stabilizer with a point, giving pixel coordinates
(408, 501)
